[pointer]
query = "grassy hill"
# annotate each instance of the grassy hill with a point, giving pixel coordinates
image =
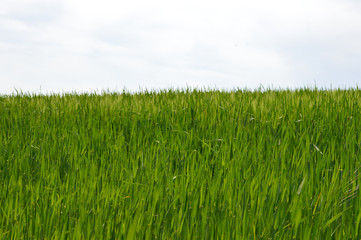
(181, 165)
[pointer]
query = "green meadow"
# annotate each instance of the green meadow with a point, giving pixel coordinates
(181, 164)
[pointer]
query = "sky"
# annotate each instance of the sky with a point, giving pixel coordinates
(87, 45)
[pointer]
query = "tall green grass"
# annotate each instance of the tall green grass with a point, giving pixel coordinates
(184, 164)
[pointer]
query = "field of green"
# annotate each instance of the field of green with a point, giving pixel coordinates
(181, 164)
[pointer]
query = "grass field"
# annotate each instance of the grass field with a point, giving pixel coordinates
(184, 164)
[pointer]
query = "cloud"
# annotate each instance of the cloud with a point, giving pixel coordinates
(84, 45)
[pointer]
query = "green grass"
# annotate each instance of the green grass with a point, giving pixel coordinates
(181, 165)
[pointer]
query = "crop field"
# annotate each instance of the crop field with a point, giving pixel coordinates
(181, 164)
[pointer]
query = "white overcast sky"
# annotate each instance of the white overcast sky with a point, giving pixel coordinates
(88, 45)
